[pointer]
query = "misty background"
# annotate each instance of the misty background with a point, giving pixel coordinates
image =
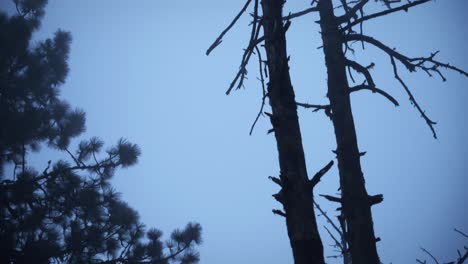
(139, 70)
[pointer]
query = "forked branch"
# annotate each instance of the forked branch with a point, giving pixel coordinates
(374, 90)
(429, 122)
(404, 7)
(351, 13)
(410, 63)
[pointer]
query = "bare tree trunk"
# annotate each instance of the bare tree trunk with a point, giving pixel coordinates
(355, 201)
(296, 194)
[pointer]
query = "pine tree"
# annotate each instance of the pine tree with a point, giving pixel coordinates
(66, 212)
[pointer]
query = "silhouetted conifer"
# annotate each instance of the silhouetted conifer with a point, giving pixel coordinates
(67, 212)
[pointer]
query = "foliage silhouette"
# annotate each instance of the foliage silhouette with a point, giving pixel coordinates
(67, 212)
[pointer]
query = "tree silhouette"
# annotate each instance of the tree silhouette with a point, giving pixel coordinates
(338, 35)
(66, 212)
(296, 194)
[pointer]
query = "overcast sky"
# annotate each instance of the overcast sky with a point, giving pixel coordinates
(139, 70)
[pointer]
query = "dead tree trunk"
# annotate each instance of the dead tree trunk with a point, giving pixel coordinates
(355, 200)
(296, 193)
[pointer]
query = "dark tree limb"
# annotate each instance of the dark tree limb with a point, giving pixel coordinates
(461, 259)
(328, 219)
(383, 13)
(320, 173)
(375, 199)
(460, 232)
(275, 180)
(331, 198)
(233, 22)
(240, 76)
(264, 93)
(410, 63)
(374, 90)
(429, 253)
(253, 42)
(337, 243)
(301, 13)
(429, 122)
(352, 12)
(278, 212)
(314, 106)
(403, 59)
(279, 197)
(363, 70)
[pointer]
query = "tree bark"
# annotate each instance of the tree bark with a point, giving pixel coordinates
(296, 193)
(356, 203)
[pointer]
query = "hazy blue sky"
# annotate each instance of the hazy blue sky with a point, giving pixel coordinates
(139, 70)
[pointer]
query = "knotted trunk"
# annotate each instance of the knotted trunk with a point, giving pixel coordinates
(356, 204)
(296, 192)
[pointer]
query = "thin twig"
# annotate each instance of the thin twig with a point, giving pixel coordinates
(429, 253)
(264, 93)
(220, 37)
(429, 122)
(337, 243)
(460, 232)
(328, 219)
(383, 13)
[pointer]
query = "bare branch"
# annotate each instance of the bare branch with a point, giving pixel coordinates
(435, 65)
(328, 219)
(316, 107)
(279, 197)
(242, 68)
(429, 122)
(220, 37)
(275, 180)
(375, 199)
(462, 259)
(279, 212)
(363, 70)
(460, 232)
(264, 93)
(331, 198)
(320, 173)
(403, 59)
(374, 90)
(337, 243)
(410, 63)
(427, 252)
(301, 13)
(352, 12)
(385, 12)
